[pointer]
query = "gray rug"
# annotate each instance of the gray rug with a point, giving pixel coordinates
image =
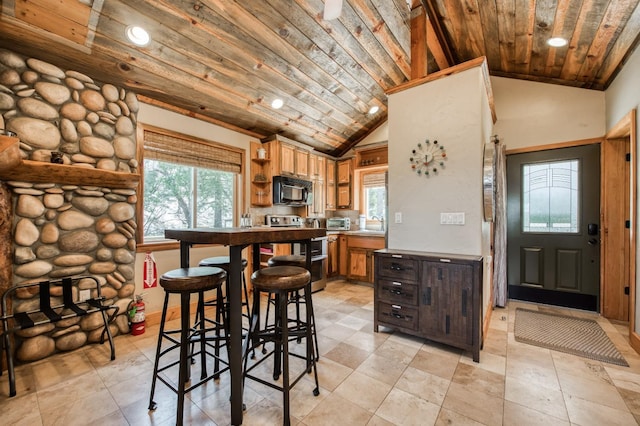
(577, 336)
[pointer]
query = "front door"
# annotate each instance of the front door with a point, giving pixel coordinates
(553, 211)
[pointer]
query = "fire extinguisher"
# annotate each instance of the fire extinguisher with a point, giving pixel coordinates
(136, 315)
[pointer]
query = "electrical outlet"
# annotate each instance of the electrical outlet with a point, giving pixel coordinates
(398, 217)
(84, 295)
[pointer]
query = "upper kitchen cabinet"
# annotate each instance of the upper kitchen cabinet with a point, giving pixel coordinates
(260, 174)
(290, 158)
(345, 187)
(331, 184)
(372, 156)
(317, 165)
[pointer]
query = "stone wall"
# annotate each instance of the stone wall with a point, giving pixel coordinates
(69, 230)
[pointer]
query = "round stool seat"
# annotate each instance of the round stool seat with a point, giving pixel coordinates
(220, 262)
(191, 280)
(280, 278)
(288, 260)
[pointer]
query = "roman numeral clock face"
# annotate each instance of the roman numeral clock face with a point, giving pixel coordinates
(428, 157)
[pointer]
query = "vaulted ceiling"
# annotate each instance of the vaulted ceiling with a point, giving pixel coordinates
(225, 61)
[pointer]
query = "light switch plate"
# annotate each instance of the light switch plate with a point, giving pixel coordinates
(398, 217)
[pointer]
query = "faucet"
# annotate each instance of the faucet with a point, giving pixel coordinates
(381, 219)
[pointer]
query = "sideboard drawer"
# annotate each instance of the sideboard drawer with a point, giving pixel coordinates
(398, 268)
(398, 315)
(397, 292)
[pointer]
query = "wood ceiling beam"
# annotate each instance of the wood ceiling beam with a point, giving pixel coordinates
(418, 42)
(437, 42)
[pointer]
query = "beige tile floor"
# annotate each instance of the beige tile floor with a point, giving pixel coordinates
(366, 378)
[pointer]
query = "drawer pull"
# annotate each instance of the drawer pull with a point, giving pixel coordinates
(396, 283)
(397, 315)
(396, 306)
(396, 267)
(445, 260)
(426, 296)
(396, 292)
(397, 256)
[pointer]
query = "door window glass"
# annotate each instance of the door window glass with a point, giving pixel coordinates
(550, 197)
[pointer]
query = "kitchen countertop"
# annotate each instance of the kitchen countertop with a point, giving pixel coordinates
(361, 233)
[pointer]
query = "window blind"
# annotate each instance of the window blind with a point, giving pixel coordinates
(373, 179)
(189, 152)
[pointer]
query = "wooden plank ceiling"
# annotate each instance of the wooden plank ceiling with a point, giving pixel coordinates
(225, 61)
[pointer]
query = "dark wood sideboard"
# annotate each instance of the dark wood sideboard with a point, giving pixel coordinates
(432, 295)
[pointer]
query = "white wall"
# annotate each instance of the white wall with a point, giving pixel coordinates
(449, 110)
(622, 96)
(170, 259)
(532, 114)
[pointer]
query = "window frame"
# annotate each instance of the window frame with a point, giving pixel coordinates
(238, 180)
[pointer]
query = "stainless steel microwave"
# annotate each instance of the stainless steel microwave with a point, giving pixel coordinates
(338, 224)
(291, 191)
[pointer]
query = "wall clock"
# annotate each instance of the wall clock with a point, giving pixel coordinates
(428, 157)
(489, 181)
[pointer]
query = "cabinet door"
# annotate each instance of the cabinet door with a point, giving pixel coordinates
(344, 172)
(344, 196)
(446, 305)
(287, 160)
(358, 264)
(342, 257)
(321, 168)
(458, 319)
(318, 198)
(302, 163)
(431, 299)
(332, 256)
(331, 172)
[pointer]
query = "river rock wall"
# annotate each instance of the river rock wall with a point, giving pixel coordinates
(69, 230)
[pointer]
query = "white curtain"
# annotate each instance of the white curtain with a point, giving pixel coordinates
(500, 243)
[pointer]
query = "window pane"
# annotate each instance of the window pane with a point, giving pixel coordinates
(550, 197)
(168, 190)
(169, 200)
(215, 199)
(375, 202)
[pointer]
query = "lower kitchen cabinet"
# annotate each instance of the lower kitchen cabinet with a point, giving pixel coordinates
(360, 262)
(333, 260)
(431, 295)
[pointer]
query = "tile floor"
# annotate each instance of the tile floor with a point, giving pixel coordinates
(366, 378)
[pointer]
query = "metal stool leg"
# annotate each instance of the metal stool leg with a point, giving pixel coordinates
(152, 404)
(183, 376)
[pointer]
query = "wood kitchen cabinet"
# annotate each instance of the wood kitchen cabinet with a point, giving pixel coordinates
(344, 172)
(317, 175)
(333, 265)
(431, 295)
(342, 255)
(331, 184)
(360, 261)
(289, 158)
(344, 187)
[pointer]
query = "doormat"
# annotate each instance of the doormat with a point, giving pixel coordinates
(577, 336)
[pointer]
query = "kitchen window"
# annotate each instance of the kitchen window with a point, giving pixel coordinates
(374, 195)
(187, 182)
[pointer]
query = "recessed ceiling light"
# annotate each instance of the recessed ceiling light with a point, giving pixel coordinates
(137, 35)
(374, 109)
(277, 103)
(557, 42)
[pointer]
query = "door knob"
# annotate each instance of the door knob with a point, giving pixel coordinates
(593, 241)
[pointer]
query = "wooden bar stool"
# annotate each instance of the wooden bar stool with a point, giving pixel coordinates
(185, 282)
(300, 261)
(224, 263)
(282, 281)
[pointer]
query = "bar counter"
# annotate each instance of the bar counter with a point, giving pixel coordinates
(238, 239)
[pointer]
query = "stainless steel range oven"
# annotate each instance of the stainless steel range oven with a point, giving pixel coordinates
(318, 261)
(318, 249)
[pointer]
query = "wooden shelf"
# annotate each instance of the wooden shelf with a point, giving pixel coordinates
(40, 172)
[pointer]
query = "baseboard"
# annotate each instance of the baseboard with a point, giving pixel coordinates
(634, 341)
